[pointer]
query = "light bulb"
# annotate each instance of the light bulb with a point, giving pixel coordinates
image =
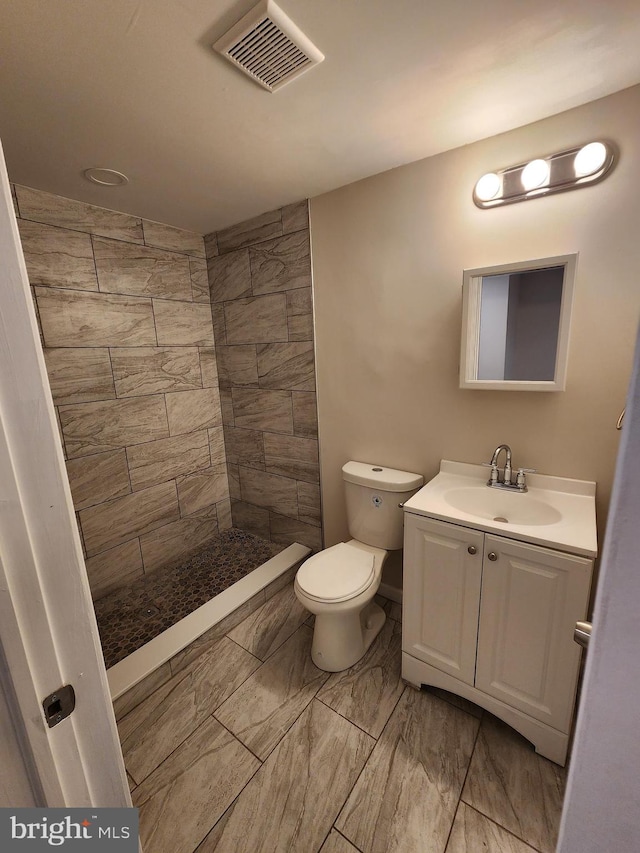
(589, 159)
(535, 174)
(488, 186)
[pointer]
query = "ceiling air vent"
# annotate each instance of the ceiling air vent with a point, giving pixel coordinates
(269, 47)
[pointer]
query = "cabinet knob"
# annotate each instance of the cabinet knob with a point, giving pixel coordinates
(492, 556)
(472, 549)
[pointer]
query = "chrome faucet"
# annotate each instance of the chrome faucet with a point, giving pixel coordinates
(494, 480)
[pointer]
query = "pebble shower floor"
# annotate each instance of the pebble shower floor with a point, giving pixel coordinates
(132, 615)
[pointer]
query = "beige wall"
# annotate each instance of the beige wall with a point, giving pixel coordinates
(388, 255)
(126, 325)
(260, 278)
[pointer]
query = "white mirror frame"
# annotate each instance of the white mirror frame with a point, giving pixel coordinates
(469, 351)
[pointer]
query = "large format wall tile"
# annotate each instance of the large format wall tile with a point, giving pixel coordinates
(287, 365)
(296, 807)
(260, 319)
(111, 569)
(238, 365)
(183, 323)
(245, 447)
(94, 427)
(176, 540)
(264, 410)
(230, 276)
(98, 478)
(309, 503)
(249, 517)
(57, 257)
(250, 231)
(281, 264)
(79, 375)
(216, 446)
(269, 491)
(300, 314)
(117, 521)
(140, 270)
(162, 460)
(287, 530)
(152, 370)
(189, 411)
(295, 217)
(291, 456)
(55, 210)
(73, 319)
(208, 367)
(199, 280)
(305, 414)
(175, 239)
(201, 489)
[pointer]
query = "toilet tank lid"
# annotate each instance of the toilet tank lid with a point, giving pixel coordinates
(378, 477)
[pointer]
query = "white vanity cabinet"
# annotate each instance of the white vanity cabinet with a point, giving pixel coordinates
(492, 619)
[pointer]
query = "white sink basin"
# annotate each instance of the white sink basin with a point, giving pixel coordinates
(501, 506)
(555, 511)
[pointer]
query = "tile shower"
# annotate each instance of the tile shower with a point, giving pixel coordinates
(125, 320)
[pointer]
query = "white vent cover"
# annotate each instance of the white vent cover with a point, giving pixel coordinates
(269, 47)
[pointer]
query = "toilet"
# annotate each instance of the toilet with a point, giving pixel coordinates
(339, 583)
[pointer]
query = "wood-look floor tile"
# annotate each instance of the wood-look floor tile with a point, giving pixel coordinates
(190, 791)
(165, 719)
(513, 786)
(367, 693)
(266, 630)
(136, 694)
(261, 711)
(395, 611)
(292, 801)
(336, 843)
(474, 833)
(458, 701)
(132, 784)
(406, 797)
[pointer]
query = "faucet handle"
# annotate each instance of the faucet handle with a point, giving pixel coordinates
(520, 479)
(527, 470)
(494, 472)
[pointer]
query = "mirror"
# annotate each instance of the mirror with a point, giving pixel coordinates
(515, 325)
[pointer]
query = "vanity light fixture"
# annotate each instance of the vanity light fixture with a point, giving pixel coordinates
(566, 170)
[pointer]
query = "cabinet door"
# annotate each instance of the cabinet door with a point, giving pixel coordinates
(441, 596)
(531, 600)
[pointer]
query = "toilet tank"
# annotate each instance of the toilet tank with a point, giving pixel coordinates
(373, 496)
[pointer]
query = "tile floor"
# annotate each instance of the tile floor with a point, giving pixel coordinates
(250, 747)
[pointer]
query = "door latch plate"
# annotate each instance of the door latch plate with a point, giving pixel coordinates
(58, 705)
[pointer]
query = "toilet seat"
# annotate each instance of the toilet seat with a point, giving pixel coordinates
(337, 573)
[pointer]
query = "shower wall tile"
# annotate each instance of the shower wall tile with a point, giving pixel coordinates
(159, 461)
(94, 427)
(289, 365)
(300, 314)
(300, 327)
(67, 213)
(233, 474)
(263, 410)
(183, 323)
(223, 511)
(291, 456)
(219, 326)
(73, 319)
(174, 239)
(140, 371)
(305, 415)
(199, 280)
(140, 270)
(57, 257)
(287, 530)
(295, 217)
(208, 367)
(250, 231)
(217, 446)
(110, 569)
(281, 264)
(79, 375)
(253, 518)
(238, 365)
(245, 447)
(112, 523)
(226, 406)
(202, 489)
(309, 503)
(189, 411)
(211, 245)
(269, 491)
(261, 319)
(230, 276)
(98, 478)
(167, 543)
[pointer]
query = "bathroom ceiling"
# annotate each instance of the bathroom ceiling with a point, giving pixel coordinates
(134, 85)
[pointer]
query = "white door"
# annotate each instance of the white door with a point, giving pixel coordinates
(441, 596)
(531, 599)
(48, 633)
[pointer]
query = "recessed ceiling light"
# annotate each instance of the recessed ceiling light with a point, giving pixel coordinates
(105, 177)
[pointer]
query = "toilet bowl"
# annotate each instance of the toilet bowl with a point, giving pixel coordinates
(338, 584)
